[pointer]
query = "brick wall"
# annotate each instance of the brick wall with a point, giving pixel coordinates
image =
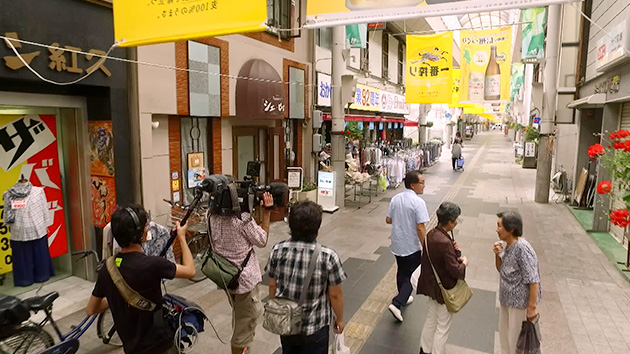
(183, 103)
(174, 148)
(272, 40)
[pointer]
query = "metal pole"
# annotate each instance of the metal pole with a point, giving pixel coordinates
(550, 91)
(134, 126)
(338, 140)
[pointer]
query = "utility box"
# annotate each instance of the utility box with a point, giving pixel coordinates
(318, 142)
(318, 119)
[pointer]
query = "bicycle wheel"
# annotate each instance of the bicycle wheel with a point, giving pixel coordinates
(104, 325)
(27, 339)
(198, 247)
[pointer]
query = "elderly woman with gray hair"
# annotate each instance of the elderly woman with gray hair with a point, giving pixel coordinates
(519, 287)
(445, 257)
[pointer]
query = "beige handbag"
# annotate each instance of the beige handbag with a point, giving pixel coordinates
(456, 298)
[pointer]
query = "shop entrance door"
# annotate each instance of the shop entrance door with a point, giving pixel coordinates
(245, 148)
(277, 169)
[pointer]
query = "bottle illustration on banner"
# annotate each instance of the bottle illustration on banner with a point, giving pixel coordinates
(492, 85)
(475, 86)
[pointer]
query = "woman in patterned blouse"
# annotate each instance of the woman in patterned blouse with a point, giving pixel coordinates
(519, 288)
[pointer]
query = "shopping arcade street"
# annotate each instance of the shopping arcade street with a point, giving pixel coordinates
(585, 306)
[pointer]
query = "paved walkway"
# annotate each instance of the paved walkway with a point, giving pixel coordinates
(585, 306)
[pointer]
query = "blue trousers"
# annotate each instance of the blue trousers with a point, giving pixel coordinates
(406, 266)
(31, 262)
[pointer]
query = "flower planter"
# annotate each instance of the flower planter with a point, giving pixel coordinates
(310, 195)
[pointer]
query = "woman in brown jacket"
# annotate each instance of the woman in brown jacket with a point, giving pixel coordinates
(450, 266)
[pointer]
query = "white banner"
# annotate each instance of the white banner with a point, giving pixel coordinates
(393, 103)
(329, 13)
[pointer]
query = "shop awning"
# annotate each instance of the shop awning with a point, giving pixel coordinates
(259, 92)
(593, 101)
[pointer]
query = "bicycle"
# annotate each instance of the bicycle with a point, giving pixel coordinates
(30, 337)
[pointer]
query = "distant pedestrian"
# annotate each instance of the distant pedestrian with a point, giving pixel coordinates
(458, 139)
(456, 153)
(288, 266)
(445, 256)
(519, 287)
(408, 215)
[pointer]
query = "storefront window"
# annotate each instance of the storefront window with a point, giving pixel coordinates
(196, 153)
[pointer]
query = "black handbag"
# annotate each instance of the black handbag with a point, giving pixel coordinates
(529, 338)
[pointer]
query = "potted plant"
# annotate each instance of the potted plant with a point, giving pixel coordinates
(616, 158)
(309, 191)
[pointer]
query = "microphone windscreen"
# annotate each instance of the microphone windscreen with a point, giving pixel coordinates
(279, 192)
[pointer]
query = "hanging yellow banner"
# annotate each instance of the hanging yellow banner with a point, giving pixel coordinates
(429, 64)
(141, 22)
(485, 65)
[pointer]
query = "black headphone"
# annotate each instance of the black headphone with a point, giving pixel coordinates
(136, 224)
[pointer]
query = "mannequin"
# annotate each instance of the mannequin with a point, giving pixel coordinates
(26, 213)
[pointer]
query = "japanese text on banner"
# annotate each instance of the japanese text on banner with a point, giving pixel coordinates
(141, 22)
(28, 146)
(429, 63)
(485, 65)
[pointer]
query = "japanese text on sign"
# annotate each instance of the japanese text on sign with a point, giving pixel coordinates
(429, 66)
(58, 58)
(170, 8)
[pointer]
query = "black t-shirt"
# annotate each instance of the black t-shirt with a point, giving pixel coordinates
(136, 328)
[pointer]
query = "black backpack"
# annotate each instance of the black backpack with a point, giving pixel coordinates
(12, 311)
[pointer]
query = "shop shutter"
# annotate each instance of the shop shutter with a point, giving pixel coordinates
(617, 202)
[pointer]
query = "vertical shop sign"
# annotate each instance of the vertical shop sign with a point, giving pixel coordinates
(102, 171)
(518, 75)
(429, 64)
(534, 34)
(356, 36)
(485, 65)
(324, 89)
(28, 146)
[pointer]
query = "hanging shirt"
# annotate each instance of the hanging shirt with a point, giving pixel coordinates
(30, 212)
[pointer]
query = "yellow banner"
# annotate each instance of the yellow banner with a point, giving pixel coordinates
(429, 76)
(367, 98)
(485, 65)
(141, 22)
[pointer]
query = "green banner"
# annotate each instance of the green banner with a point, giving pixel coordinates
(534, 34)
(356, 36)
(518, 75)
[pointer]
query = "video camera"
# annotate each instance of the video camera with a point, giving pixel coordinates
(229, 196)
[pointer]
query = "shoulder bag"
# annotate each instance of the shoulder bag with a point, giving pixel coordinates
(284, 316)
(222, 271)
(132, 297)
(456, 298)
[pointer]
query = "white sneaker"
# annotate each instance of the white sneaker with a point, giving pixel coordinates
(409, 300)
(396, 312)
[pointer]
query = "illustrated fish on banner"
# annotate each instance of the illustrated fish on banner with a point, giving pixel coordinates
(28, 146)
(429, 64)
(329, 13)
(485, 65)
(141, 22)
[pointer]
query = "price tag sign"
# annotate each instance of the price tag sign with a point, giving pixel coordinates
(18, 204)
(294, 177)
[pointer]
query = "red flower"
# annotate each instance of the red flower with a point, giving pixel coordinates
(604, 187)
(627, 145)
(619, 145)
(613, 136)
(620, 217)
(623, 134)
(596, 150)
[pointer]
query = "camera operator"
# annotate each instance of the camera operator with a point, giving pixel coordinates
(234, 237)
(141, 331)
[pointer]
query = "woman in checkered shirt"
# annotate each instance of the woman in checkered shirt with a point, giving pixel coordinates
(287, 268)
